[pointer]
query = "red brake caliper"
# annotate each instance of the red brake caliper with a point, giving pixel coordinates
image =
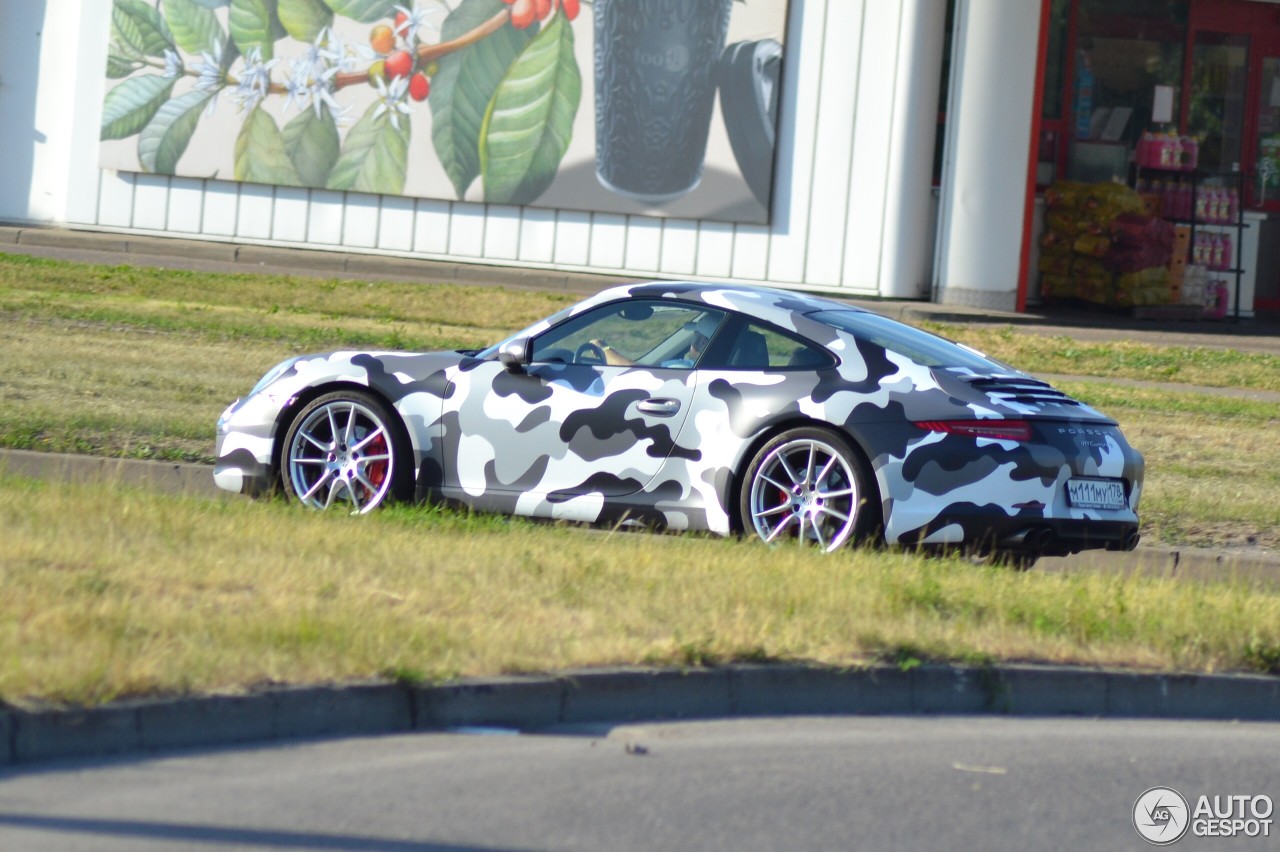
(378, 470)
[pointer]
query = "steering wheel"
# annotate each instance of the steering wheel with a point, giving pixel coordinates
(590, 353)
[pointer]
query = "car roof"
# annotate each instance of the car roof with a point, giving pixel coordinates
(780, 307)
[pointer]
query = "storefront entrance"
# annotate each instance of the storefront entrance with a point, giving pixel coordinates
(1180, 100)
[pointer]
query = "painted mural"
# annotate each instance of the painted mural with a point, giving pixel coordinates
(650, 107)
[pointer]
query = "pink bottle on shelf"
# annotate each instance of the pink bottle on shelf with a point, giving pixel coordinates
(1190, 153)
(1202, 203)
(1215, 245)
(1233, 205)
(1226, 251)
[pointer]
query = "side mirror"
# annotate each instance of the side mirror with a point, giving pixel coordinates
(514, 355)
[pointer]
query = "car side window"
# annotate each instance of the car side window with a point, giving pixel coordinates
(759, 347)
(654, 333)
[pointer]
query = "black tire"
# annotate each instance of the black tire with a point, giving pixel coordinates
(346, 447)
(811, 485)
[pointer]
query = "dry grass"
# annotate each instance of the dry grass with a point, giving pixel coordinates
(112, 592)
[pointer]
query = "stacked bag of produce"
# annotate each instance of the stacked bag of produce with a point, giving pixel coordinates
(1100, 246)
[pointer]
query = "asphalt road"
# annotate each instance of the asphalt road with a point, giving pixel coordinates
(883, 783)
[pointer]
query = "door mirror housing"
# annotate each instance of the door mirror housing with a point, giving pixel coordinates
(514, 354)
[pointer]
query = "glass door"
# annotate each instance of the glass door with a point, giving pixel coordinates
(1219, 79)
(1265, 186)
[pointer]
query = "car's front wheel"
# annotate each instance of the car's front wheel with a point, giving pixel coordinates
(810, 485)
(343, 449)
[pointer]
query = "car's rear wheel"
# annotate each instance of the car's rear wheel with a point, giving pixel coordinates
(344, 450)
(808, 485)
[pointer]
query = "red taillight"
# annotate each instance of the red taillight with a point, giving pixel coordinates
(996, 430)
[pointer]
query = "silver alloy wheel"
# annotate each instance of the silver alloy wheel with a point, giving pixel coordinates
(806, 489)
(341, 452)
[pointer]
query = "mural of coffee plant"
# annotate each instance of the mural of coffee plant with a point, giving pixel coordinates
(499, 76)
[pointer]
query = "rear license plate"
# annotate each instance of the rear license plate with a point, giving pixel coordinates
(1096, 493)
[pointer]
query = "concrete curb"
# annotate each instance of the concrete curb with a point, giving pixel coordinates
(613, 696)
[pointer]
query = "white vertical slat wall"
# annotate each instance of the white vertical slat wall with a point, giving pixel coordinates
(831, 180)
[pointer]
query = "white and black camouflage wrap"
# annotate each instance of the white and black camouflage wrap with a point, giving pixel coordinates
(574, 441)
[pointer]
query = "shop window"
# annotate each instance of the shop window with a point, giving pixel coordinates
(1219, 72)
(1125, 51)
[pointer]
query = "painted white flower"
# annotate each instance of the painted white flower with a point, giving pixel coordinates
(393, 100)
(212, 76)
(418, 19)
(172, 64)
(307, 88)
(349, 57)
(255, 80)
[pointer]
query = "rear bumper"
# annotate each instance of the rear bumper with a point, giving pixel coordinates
(988, 528)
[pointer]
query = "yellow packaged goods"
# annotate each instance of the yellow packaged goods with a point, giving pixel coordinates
(1091, 245)
(1062, 221)
(1055, 264)
(1088, 267)
(1064, 193)
(1056, 242)
(1057, 286)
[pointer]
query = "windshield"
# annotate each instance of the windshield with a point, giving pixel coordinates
(921, 347)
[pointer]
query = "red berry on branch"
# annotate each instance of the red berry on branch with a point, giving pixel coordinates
(401, 17)
(399, 64)
(543, 8)
(522, 13)
(419, 87)
(571, 8)
(382, 39)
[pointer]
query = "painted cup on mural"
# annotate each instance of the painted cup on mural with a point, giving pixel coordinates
(655, 64)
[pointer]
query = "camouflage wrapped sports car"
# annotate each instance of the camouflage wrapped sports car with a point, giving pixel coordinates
(694, 406)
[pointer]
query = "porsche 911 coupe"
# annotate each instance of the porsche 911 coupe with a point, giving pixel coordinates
(702, 407)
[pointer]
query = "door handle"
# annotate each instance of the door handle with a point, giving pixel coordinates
(658, 407)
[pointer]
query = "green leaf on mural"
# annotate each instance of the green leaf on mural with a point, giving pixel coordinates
(165, 139)
(253, 24)
(129, 106)
(260, 152)
(365, 11)
(463, 87)
(375, 157)
(139, 28)
(304, 20)
(212, 4)
(530, 120)
(120, 66)
(195, 28)
(313, 145)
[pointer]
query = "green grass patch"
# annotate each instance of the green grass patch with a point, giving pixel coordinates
(113, 592)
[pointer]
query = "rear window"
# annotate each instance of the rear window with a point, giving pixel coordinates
(919, 346)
